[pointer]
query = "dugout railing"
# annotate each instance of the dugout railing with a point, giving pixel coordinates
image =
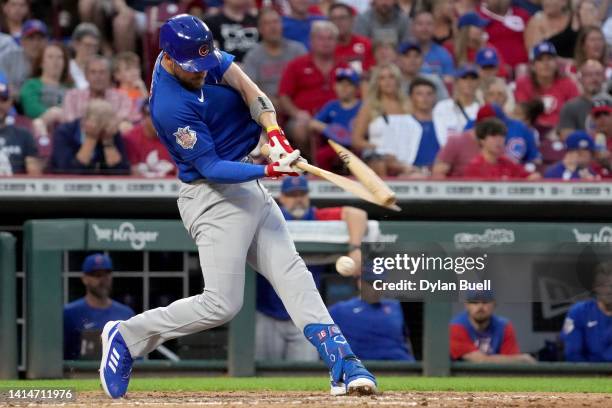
(46, 240)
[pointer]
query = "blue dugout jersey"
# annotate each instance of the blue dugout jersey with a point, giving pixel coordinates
(374, 331)
(79, 316)
(587, 333)
(207, 131)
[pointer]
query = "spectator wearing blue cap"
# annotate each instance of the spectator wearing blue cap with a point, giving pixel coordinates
(276, 336)
(452, 115)
(373, 325)
(577, 164)
(436, 59)
(18, 151)
(478, 335)
(91, 312)
(410, 62)
(17, 63)
(489, 64)
(553, 24)
(335, 119)
(547, 83)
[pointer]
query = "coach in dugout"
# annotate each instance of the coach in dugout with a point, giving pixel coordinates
(85, 317)
(374, 326)
(479, 336)
(587, 330)
(276, 337)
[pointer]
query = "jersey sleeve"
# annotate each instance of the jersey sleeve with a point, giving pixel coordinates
(509, 345)
(572, 336)
(328, 214)
(215, 75)
(190, 139)
(533, 153)
(460, 342)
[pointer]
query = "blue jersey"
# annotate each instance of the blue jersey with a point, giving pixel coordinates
(520, 141)
(79, 316)
(333, 112)
(429, 145)
(438, 61)
(206, 131)
(559, 171)
(587, 333)
(374, 331)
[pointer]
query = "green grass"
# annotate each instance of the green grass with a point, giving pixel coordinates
(464, 384)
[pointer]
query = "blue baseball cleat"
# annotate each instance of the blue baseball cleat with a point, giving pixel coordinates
(116, 364)
(358, 380)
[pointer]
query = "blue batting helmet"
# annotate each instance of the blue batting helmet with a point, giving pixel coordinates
(189, 42)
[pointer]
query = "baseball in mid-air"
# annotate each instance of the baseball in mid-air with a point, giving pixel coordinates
(345, 266)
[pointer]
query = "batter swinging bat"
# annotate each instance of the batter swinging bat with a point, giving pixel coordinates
(342, 182)
(365, 175)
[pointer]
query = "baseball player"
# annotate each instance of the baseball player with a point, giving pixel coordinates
(209, 114)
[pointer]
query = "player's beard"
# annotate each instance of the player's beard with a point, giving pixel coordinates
(298, 211)
(192, 84)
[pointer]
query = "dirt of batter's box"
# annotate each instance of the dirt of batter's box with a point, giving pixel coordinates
(278, 399)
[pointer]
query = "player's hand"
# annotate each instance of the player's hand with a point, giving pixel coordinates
(283, 167)
(279, 145)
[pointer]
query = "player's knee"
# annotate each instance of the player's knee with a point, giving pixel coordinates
(226, 307)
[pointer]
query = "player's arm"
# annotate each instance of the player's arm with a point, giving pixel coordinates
(252, 95)
(262, 110)
(480, 357)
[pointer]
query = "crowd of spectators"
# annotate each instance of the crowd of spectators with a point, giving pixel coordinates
(401, 83)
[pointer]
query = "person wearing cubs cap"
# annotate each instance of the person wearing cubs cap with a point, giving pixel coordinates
(577, 162)
(335, 119)
(94, 310)
(209, 114)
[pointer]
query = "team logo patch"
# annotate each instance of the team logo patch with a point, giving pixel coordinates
(204, 50)
(185, 137)
(322, 334)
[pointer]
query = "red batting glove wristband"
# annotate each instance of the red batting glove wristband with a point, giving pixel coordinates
(272, 172)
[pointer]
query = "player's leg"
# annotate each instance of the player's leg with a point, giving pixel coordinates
(269, 340)
(273, 254)
(220, 219)
(298, 347)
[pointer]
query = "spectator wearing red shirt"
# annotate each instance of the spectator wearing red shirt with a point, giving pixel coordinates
(546, 82)
(506, 29)
(146, 153)
(491, 163)
(307, 83)
(353, 49)
(477, 335)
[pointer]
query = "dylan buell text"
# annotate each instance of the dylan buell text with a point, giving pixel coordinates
(431, 286)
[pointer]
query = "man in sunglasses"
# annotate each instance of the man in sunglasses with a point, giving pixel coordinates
(18, 152)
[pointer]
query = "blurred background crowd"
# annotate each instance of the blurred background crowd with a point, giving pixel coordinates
(491, 89)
